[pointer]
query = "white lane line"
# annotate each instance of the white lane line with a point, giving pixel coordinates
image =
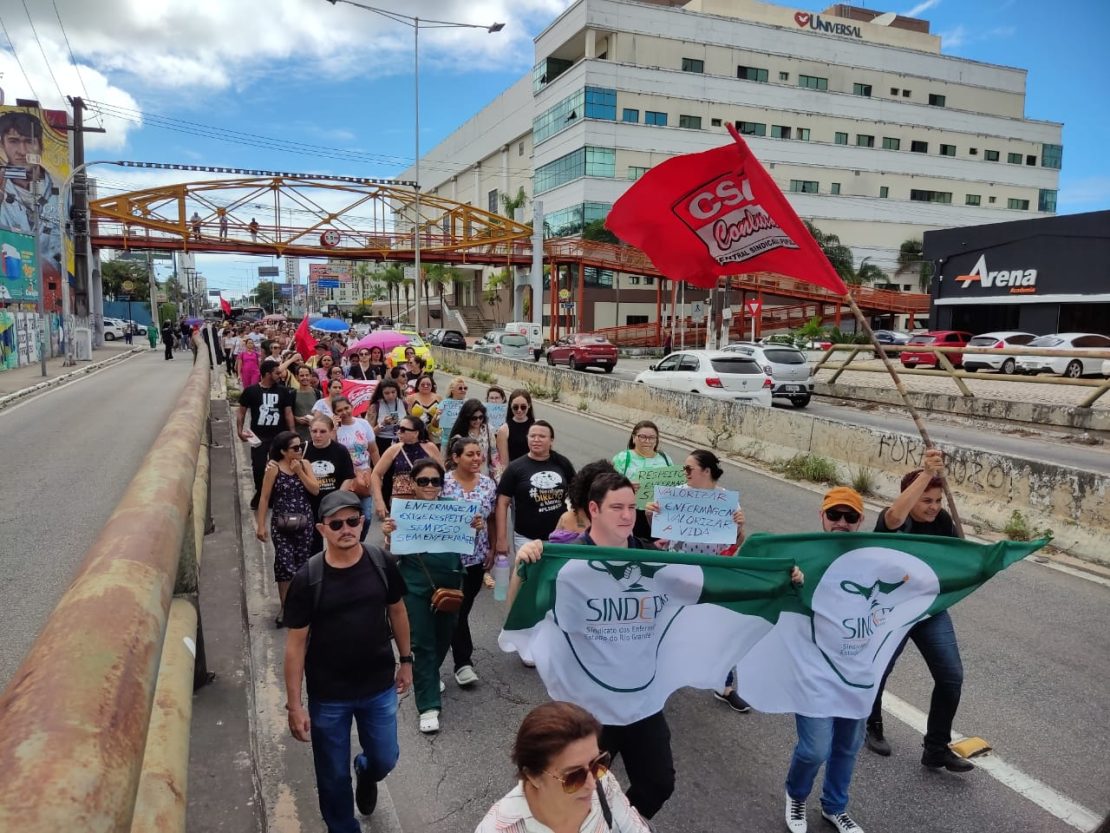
(1071, 571)
(1006, 774)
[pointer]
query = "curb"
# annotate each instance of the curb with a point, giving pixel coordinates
(12, 398)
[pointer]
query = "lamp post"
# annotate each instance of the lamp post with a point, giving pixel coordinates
(416, 23)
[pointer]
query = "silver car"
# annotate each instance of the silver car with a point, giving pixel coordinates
(1056, 358)
(506, 345)
(786, 365)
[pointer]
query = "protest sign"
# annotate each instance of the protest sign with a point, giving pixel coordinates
(496, 414)
(448, 413)
(650, 478)
(695, 516)
(432, 526)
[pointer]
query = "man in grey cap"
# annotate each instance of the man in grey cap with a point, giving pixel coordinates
(348, 589)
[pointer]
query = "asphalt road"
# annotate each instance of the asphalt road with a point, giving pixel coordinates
(1036, 649)
(68, 456)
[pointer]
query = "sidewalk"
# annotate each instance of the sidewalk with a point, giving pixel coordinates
(21, 379)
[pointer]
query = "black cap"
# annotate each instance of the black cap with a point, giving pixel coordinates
(337, 500)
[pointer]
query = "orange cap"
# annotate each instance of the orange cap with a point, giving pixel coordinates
(842, 496)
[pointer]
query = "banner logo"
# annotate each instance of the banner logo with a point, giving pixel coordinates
(1019, 281)
(813, 21)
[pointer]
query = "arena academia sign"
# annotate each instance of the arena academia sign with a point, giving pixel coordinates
(807, 20)
(1019, 281)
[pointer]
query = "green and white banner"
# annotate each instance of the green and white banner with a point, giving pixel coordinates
(618, 630)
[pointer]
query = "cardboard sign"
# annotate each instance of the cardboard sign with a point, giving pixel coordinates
(448, 413)
(695, 516)
(650, 478)
(496, 414)
(432, 526)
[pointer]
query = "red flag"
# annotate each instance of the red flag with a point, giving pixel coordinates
(306, 344)
(225, 306)
(359, 392)
(704, 215)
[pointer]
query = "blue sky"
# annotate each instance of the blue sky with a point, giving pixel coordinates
(341, 78)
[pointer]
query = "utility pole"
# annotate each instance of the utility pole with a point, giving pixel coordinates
(82, 273)
(36, 203)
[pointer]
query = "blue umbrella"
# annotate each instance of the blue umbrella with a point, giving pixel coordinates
(329, 325)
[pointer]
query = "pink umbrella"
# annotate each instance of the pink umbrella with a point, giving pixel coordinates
(385, 339)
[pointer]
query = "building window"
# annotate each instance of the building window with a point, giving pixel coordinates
(601, 104)
(751, 74)
(778, 131)
(812, 82)
(568, 221)
(919, 147)
(601, 162)
(690, 122)
(905, 93)
(784, 76)
(636, 171)
(1019, 205)
(587, 161)
(803, 186)
(802, 134)
(972, 199)
(491, 201)
(751, 128)
(1052, 156)
(520, 149)
(834, 188)
(547, 71)
(990, 155)
(636, 319)
(693, 65)
(558, 117)
(1030, 159)
(973, 151)
(1013, 158)
(884, 192)
(633, 280)
(936, 100)
(715, 122)
(991, 200)
(653, 117)
(864, 141)
(894, 91)
(891, 144)
(931, 196)
(841, 138)
(862, 89)
(1046, 200)
(947, 150)
(630, 115)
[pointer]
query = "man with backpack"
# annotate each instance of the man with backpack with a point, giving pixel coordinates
(349, 588)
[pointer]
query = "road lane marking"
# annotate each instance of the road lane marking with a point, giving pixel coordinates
(1008, 775)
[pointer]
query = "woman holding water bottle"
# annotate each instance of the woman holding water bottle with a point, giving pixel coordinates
(466, 481)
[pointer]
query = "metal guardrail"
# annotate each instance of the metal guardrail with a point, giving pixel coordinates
(946, 368)
(95, 721)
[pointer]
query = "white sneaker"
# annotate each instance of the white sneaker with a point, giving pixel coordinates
(429, 721)
(466, 676)
(527, 663)
(795, 815)
(842, 822)
(442, 686)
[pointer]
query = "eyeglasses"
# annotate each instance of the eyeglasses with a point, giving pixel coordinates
(482, 417)
(688, 469)
(575, 780)
(834, 514)
(647, 437)
(406, 428)
(352, 522)
(297, 447)
(428, 481)
(461, 387)
(520, 408)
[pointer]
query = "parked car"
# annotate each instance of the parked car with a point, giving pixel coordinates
(935, 338)
(787, 366)
(488, 338)
(985, 361)
(396, 356)
(1056, 359)
(891, 340)
(713, 373)
(582, 350)
(434, 336)
(114, 328)
(506, 345)
(452, 339)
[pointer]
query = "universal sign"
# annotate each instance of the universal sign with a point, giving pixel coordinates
(1019, 281)
(807, 20)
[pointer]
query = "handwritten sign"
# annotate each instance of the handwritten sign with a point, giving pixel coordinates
(448, 413)
(695, 516)
(496, 414)
(432, 526)
(650, 478)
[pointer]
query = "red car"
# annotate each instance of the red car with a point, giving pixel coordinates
(583, 350)
(936, 338)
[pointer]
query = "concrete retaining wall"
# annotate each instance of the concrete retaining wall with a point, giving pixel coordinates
(989, 486)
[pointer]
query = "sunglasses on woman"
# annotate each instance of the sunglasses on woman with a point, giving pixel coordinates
(575, 780)
(352, 522)
(834, 514)
(425, 482)
(520, 409)
(297, 447)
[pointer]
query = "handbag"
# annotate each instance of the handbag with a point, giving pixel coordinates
(362, 486)
(290, 524)
(403, 484)
(444, 599)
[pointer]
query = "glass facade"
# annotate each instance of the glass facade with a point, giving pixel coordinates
(593, 103)
(547, 71)
(1046, 200)
(1052, 156)
(656, 118)
(813, 82)
(569, 221)
(601, 103)
(690, 122)
(631, 116)
(804, 186)
(751, 128)
(586, 161)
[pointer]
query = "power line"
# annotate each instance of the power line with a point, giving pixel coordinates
(15, 55)
(45, 60)
(72, 57)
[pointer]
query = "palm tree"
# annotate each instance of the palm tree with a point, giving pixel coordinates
(493, 285)
(392, 275)
(869, 273)
(510, 205)
(408, 283)
(440, 276)
(839, 255)
(912, 254)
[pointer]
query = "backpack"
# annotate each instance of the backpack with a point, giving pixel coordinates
(627, 460)
(316, 571)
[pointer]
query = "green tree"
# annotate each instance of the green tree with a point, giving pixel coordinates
(839, 255)
(267, 293)
(439, 276)
(175, 292)
(595, 230)
(511, 204)
(491, 294)
(114, 272)
(911, 257)
(392, 276)
(870, 273)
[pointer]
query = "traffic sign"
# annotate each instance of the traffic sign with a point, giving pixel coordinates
(564, 294)
(754, 306)
(726, 313)
(697, 311)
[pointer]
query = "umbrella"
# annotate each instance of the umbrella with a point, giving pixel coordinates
(194, 322)
(329, 325)
(274, 316)
(385, 339)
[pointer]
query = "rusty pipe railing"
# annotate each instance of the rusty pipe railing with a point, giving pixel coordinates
(75, 716)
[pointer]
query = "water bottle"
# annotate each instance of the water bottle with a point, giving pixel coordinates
(501, 573)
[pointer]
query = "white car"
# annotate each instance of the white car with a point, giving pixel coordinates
(787, 366)
(712, 373)
(985, 361)
(113, 328)
(1056, 359)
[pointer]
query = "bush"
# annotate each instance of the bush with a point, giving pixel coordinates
(487, 378)
(808, 467)
(863, 481)
(583, 405)
(1019, 529)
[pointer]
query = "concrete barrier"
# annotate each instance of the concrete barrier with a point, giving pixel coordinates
(1073, 503)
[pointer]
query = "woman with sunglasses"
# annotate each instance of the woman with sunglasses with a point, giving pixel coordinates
(424, 573)
(642, 453)
(424, 405)
(363, 366)
(564, 780)
(397, 462)
(287, 487)
(473, 422)
(521, 417)
(331, 464)
(356, 435)
(387, 408)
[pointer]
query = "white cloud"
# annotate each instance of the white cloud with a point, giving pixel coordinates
(955, 38)
(1090, 193)
(920, 8)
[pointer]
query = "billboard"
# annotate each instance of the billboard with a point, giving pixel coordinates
(27, 132)
(18, 278)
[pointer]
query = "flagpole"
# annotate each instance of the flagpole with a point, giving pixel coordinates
(904, 394)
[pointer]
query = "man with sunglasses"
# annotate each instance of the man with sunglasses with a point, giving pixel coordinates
(918, 511)
(357, 589)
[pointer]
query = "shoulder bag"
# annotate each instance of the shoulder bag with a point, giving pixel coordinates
(290, 524)
(403, 484)
(444, 599)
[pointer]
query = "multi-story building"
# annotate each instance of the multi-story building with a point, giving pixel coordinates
(873, 133)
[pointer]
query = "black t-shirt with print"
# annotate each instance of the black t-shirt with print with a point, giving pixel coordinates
(267, 408)
(332, 465)
(539, 492)
(349, 652)
(941, 525)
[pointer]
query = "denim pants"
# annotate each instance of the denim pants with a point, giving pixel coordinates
(935, 638)
(834, 742)
(376, 719)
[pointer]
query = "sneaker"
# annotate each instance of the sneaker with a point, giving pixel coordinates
(429, 721)
(466, 676)
(842, 822)
(366, 788)
(946, 759)
(875, 740)
(734, 700)
(795, 815)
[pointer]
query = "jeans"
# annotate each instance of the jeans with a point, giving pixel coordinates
(646, 745)
(260, 455)
(935, 638)
(376, 719)
(368, 514)
(462, 646)
(834, 742)
(431, 632)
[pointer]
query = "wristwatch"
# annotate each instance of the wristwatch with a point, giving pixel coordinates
(406, 658)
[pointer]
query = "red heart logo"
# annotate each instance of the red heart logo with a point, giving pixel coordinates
(802, 18)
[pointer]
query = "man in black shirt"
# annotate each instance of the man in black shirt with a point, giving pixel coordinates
(271, 410)
(169, 336)
(918, 511)
(348, 662)
(536, 487)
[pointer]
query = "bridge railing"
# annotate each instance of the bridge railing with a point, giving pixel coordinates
(95, 721)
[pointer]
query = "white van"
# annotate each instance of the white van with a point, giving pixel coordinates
(533, 332)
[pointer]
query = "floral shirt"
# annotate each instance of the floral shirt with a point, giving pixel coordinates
(485, 495)
(357, 438)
